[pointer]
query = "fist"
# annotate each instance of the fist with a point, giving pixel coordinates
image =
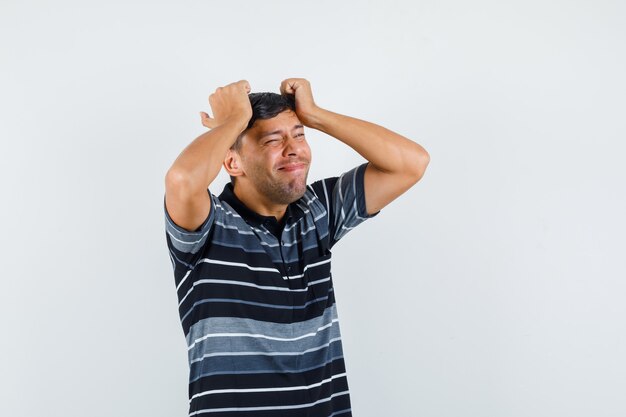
(305, 106)
(229, 103)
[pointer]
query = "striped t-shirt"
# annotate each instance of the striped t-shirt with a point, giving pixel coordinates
(257, 306)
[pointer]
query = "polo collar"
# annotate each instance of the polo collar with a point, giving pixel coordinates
(255, 218)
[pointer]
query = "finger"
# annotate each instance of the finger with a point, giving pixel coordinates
(207, 121)
(286, 87)
(282, 87)
(246, 85)
(241, 83)
(209, 124)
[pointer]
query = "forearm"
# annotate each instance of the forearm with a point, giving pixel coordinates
(200, 162)
(386, 150)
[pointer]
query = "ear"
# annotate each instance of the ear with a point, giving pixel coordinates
(232, 163)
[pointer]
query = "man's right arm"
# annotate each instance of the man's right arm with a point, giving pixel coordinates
(186, 198)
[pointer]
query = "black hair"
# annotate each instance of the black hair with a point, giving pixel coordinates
(265, 106)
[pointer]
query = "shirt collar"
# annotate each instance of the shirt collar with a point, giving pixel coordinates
(255, 218)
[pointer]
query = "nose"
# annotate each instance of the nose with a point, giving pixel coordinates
(293, 146)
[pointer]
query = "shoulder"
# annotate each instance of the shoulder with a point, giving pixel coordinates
(322, 190)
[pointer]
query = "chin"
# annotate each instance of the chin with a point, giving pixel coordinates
(295, 196)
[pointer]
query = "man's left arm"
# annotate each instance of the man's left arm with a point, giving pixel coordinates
(395, 162)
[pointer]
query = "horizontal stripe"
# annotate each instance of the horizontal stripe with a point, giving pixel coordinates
(249, 284)
(252, 303)
(237, 264)
(273, 389)
(285, 407)
(262, 353)
(231, 338)
(263, 365)
(235, 342)
(267, 330)
(186, 241)
(249, 267)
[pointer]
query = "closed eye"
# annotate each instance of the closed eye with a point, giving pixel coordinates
(275, 140)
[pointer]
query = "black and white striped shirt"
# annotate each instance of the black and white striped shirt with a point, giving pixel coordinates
(257, 306)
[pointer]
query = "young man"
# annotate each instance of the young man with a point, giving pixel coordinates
(252, 265)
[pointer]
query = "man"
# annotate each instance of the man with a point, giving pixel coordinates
(252, 265)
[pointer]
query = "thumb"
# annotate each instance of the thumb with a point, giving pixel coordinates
(207, 121)
(288, 86)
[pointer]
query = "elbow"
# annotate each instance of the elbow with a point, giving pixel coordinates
(174, 177)
(177, 180)
(425, 158)
(420, 163)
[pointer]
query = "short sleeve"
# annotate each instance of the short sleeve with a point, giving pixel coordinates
(344, 197)
(185, 245)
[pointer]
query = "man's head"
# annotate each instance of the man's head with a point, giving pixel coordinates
(273, 139)
(265, 106)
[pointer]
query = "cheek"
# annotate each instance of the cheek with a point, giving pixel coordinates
(266, 159)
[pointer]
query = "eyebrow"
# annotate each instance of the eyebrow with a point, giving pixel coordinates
(278, 131)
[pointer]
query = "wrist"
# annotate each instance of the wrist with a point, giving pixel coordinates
(239, 124)
(315, 119)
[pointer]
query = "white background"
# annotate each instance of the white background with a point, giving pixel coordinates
(493, 287)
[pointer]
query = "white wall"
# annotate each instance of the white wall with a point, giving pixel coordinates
(506, 296)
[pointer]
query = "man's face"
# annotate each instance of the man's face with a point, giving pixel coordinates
(276, 157)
